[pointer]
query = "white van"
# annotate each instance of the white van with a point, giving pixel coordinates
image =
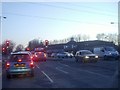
(106, 52)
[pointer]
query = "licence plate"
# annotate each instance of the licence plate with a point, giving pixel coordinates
(19, 65)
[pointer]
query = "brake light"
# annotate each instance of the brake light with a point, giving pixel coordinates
(45, 55)
(8, 65)
(31, 57)
(19, 60)
(39, 52)
(36, 56)
(31, 65)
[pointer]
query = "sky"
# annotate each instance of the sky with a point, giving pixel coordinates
(56, 20)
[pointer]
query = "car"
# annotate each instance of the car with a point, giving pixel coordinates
(54, 55)
(69, 55)
(39, 56)
(106, 52)
(19, 63)
(86, 56)
(62, 55)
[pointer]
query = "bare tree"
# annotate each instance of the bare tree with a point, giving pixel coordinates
(20, 47)
(8, 48)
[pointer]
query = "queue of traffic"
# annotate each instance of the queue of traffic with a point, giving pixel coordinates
(23, 62)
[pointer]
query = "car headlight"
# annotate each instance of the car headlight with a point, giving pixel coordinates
(96, 56)
(86, 56)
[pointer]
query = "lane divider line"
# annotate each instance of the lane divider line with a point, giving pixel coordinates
(37, 66)
(88, 71)
(65, 65)
(62, 70)
(47, 77)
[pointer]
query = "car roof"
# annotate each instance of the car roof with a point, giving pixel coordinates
(21, 52)
(83, 50)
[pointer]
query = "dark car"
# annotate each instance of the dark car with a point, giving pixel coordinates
(40, 56)
(54, 55)
(20, 63)
(86, 56)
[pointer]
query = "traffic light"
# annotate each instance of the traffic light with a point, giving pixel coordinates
(3, 49)
(46, 42)
(7, 43)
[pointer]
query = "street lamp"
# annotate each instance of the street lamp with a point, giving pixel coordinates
(118, 31)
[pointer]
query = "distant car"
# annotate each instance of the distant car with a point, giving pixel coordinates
(20, 63)
(54, 55)
(106, 52)
(62, 55)
(39, 56)
(86, 56)
(69, 55)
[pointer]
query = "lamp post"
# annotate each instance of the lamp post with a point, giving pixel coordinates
(118, 31)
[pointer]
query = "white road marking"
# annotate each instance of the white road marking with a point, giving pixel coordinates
(47, 77)
(61, 70)
(94, 73)
(88, 71)
(64, 65)
(37, 66)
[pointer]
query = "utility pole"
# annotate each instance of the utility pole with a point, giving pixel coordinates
(119, 24)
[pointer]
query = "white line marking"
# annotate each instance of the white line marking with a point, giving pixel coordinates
(95, 73)
(61, 70)
(37, 66)
(87, 71)
(65, 65)
(47, 77)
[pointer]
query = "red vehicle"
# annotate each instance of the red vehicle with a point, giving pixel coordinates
(39, 56)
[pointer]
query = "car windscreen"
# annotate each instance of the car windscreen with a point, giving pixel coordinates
(109, 49)
(86, 52)
(16, 57)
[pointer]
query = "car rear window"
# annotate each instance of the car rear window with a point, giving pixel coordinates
(16, 57)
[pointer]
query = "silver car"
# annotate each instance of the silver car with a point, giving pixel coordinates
(20, 63)
(86, 56)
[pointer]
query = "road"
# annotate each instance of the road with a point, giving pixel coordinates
(66, 73)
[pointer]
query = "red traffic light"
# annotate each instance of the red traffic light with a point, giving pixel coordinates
(7, 43)
(46, 42)
(3, 48)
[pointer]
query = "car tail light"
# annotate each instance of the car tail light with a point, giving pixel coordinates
(31, 57)
(19, 60)
(45, 55)
(39, 52)
(31, 65)
(36, 56)
(7, 65)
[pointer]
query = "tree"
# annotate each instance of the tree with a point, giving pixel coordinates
(85, 37)
(108, 37)
(35, 43)
(19, 47)
(8, 49)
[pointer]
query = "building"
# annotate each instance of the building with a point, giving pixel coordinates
(73, 46)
